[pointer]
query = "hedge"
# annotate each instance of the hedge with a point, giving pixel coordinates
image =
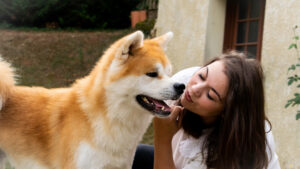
(68, 13)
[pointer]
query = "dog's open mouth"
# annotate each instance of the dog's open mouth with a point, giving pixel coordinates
(157, 107)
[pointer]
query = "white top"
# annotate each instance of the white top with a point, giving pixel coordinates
(187, 152)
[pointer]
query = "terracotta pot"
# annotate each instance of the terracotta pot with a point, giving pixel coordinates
(137, 16)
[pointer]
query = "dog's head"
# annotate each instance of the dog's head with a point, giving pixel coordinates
(140, 72)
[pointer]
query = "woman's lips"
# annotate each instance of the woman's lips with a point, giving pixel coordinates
(188, 97)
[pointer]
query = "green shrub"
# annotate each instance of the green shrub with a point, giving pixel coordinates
(25, 12)
(295, 78)
(146, 26)
(5, 25)
(68, 13)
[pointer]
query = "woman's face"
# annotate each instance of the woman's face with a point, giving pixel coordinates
(206, 91)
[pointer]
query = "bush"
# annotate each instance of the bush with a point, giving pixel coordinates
(95, 13)
(146, 26)
(68, 13)
(25, 12)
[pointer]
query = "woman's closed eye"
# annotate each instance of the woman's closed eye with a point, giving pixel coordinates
(201, 76)
(209, 96)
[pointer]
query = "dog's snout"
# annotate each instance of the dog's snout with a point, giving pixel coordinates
(179, 87)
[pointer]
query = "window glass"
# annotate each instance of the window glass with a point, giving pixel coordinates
(240, 48)
(243, 9)
(241, 34)
(252, 51)
(254, 8)
(253, 31)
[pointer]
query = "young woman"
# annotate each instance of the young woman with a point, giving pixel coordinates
(219, 121)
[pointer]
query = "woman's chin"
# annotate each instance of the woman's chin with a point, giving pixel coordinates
(183, 102)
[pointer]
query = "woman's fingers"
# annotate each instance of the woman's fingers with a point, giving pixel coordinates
(175, 110)
(165, 128)
(176, 114)
(179, 119)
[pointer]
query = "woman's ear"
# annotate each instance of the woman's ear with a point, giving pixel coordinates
(163, 40)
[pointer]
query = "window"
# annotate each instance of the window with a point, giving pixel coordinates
(244, 26)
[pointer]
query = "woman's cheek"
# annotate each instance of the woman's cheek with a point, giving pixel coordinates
(205, 106)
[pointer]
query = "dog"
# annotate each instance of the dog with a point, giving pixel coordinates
(98, 121)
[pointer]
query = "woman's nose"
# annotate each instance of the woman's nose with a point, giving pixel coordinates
(197, 89)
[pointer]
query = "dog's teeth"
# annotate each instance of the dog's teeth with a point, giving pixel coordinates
(163, 108)
(145, 100)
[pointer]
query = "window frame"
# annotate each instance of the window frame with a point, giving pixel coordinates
(231, 27)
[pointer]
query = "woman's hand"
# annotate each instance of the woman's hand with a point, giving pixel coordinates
(165, 128)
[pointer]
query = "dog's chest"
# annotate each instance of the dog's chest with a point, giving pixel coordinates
(27, 163)
(89, 157)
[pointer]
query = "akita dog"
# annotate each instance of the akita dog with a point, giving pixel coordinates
(98, 121)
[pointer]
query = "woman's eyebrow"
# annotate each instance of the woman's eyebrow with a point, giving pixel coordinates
(214, 90)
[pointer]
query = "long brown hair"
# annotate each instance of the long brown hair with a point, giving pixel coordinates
(238, 137)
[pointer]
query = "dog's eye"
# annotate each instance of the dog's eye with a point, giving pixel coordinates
(152, 74)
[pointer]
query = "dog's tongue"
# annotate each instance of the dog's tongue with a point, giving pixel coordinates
(160, 105)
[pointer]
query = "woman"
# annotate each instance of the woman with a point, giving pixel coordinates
(219, 121)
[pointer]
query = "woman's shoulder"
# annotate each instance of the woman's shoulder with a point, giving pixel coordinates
(271, 148)
(269, 134)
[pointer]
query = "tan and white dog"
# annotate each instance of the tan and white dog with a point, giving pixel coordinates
(98, 121)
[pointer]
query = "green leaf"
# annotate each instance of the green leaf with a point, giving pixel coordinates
(293, 67)
(287, 105)
(298, 85)
(298, 116)
(293, 45)
(296, 37)
(291, 80)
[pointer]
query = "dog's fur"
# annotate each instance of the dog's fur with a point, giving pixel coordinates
(94, 124)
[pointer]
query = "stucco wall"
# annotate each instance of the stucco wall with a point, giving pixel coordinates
(179, 16)
(280, 17)
(215, 29)
(198, 27)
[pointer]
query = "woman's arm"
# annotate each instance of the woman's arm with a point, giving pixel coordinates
(164, 130)
(163, 158)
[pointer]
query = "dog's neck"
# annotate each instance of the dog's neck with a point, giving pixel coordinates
(117, 115)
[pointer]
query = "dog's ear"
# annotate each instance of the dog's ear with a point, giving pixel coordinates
(163, 40)
(131, 42)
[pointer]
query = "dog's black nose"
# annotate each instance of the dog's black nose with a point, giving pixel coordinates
(179, 87)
